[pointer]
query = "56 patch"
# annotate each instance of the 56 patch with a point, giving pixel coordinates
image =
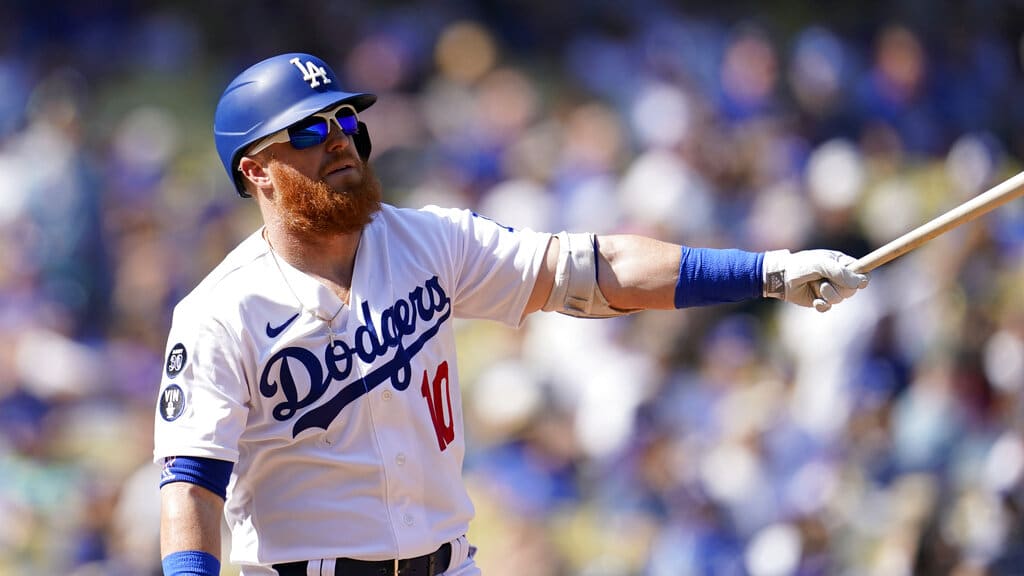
(172, 403)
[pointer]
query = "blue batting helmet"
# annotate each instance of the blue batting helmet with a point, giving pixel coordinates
(272, 95)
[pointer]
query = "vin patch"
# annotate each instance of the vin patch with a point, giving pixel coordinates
(172, 403)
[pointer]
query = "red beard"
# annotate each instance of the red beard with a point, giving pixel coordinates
(313, 207)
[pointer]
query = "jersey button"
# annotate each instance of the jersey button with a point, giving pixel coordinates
(326, 441)
(400, 459)
(409, 520)
(386, 395)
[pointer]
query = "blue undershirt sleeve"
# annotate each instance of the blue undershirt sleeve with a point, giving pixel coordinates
(209, 473)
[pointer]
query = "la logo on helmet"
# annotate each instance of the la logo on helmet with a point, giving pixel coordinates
(311, 72)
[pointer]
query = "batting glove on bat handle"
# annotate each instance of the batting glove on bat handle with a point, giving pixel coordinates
(811, 278)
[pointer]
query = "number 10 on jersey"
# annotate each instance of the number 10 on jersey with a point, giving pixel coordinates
(432, 391)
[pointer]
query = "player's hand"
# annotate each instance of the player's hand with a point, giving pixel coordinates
(818, 278)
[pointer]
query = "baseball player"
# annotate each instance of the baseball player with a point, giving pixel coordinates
(311, 393)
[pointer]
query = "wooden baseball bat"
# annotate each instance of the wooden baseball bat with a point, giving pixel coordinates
(981, 204)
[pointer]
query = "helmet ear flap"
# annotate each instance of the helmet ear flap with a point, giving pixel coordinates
(362, 141)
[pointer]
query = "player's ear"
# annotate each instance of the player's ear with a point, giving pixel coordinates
(254, 172)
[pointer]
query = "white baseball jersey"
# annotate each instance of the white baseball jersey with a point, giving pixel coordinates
(351, 448)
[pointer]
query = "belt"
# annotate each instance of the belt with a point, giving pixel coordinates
(427, 565)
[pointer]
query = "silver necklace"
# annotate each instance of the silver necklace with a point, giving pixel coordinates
(302, 307)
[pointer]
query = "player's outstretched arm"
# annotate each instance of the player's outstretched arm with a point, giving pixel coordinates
(639, 273)
(190, 522)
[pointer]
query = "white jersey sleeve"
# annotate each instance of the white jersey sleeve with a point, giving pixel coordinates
(202, 406)
(495, 267)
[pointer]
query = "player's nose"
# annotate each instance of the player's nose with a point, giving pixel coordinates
(336, 139)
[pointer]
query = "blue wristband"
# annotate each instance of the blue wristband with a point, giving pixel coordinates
(191, 563)
(710, 276)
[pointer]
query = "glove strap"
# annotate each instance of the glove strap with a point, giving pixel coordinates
(774, 283)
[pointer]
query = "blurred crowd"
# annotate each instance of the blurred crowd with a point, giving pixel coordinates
(885, 437)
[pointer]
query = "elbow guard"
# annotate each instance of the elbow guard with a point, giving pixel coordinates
(576, 291)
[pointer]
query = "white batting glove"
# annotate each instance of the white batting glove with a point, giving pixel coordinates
(818, 278)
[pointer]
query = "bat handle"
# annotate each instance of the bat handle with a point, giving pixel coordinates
(983, 203)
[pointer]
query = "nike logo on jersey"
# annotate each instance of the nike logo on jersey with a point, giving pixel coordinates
(274, 332)
(293, 370)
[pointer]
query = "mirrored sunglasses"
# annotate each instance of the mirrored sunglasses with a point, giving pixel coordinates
(313, 129)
